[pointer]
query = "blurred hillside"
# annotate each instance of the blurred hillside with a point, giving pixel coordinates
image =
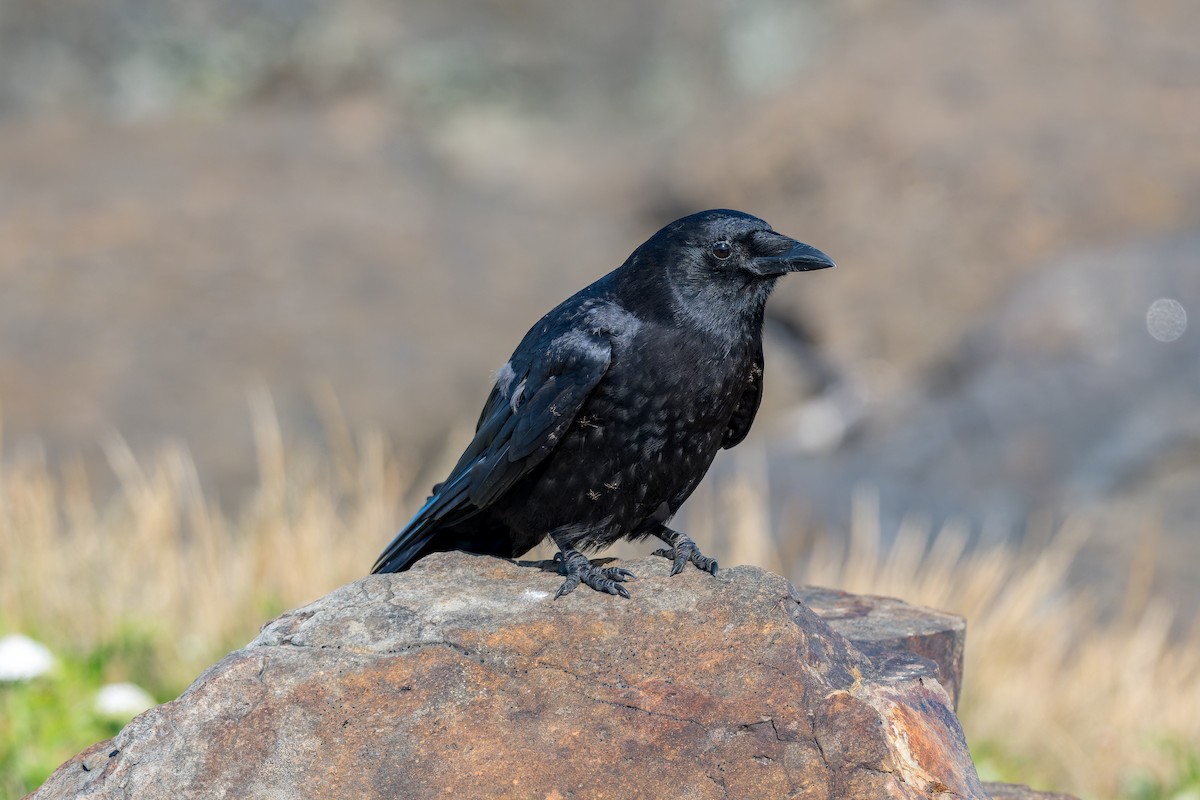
(372, 202)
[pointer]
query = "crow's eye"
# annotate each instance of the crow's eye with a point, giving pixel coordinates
(722, 250)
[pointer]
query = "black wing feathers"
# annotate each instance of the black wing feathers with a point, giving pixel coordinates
(747, 407)
(521, 423)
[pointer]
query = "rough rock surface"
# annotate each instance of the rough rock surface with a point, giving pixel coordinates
(1016, 791)
(892, 631)
(464, 678)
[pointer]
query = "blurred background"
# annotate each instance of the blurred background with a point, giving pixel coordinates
(259, 260)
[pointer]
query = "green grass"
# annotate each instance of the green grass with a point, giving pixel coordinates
(47, 720)
(1181, 781)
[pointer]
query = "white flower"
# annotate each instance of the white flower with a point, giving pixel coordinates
(22, 659)
(123, 701)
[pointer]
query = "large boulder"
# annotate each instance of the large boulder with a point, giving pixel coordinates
(465, 678)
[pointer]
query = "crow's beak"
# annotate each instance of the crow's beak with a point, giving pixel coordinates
(786, 255)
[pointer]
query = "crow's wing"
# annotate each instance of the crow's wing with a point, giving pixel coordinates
(526, 414)
(747, 407)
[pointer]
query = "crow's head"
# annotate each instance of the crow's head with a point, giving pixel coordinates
(717, 268)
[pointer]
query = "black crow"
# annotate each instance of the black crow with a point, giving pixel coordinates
(614, 405)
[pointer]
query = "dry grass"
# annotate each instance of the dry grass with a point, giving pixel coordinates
(161, 554)
(1053, 691)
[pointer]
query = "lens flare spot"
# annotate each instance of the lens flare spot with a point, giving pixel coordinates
(1166, 319)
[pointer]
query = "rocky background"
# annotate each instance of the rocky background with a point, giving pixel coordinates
(372, 202)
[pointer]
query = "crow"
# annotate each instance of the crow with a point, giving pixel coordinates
(614, 405)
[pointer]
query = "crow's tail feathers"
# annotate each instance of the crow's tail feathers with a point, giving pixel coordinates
(447, 505)
(405, 549)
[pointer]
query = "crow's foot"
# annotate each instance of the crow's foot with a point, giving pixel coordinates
(683, 550)
(576, 566)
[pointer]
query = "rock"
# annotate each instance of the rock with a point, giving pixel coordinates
(884, 628)
(1016, 791)
(464, 678)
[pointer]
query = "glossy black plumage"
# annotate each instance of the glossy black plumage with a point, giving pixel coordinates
(615, 403)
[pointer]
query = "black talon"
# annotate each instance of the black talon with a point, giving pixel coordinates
(579, 569)
(568, 586)
(682, 550)
(619, 574)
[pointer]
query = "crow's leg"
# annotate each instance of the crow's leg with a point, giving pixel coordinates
(682, 550)
(576, 566)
